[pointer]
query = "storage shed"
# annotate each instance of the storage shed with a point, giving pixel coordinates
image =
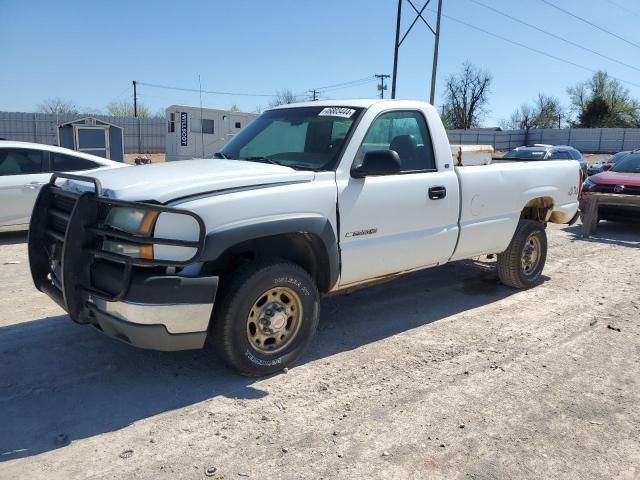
(93, 136)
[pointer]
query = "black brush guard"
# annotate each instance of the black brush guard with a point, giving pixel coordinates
(65, 239)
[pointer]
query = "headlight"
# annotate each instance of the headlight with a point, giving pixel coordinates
(129, 249)
(150, 223)
(137, 221)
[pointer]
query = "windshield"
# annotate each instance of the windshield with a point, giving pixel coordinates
(525, 155)
(630, 164)
(306, 138)
(617, 157)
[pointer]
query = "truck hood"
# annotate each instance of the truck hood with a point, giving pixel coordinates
(164, 182)
(616, 178)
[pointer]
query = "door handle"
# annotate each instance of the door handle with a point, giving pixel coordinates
(438, 192)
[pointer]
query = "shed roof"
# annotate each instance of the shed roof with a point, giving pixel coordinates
(94, 120)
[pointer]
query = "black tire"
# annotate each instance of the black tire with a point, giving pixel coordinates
(240, 293)
(511, 263)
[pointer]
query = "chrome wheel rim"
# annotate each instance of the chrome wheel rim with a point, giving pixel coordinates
(531, 254)
(274, 320)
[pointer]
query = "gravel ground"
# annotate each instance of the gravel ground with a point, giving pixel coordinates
(444, 374)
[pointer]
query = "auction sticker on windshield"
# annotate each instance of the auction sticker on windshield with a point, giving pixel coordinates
(337, 112)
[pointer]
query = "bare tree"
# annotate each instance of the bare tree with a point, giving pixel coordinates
(520, 119)
(467, 96)
(283, 97)
(545, 112)
(58, 106)
(125, 109)
(548, 112)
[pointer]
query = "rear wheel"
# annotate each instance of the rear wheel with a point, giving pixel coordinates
(521, 264)
(267, 317)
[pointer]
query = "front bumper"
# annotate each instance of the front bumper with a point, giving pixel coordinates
(132, 300)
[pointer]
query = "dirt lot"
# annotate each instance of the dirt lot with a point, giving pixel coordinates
(445, 374)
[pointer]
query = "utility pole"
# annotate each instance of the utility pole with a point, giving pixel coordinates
(436, 45)
(135, 99)
(395, 51)
(382, 87)
(399, 41)
(314, 95)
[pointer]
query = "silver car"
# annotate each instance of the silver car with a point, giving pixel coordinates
(25, 167)
(547, 152)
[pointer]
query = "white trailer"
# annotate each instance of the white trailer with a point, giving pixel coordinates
(194, 132)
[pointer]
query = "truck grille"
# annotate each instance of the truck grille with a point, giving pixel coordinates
(611, 189)
(58, 213)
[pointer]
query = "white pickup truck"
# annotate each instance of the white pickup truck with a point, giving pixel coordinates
(308, 200)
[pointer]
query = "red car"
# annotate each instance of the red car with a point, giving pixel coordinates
(623, 178)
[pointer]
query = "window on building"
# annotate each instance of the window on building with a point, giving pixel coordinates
(171, 124)
(204, 125)
(238, 125)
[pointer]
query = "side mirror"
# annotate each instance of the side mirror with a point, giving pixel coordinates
(377, 163)
(607, 166)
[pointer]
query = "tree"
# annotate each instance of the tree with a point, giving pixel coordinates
(125, 109)
(545, 112)
(466, 97)
(234, 108)
(602, 102)
(283, 97)
(58, 106)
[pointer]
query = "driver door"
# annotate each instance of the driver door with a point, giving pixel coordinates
(395, 223)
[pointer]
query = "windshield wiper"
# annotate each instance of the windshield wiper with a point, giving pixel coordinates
(261, 160)
(295, 166)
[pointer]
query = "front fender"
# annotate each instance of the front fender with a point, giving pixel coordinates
(221, 239)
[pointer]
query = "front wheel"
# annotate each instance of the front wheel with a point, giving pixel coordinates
(267, 317)
(521, 264)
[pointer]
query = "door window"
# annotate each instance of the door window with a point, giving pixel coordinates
(407, 134)
(67, 163)
(563, 155)
(15, 161)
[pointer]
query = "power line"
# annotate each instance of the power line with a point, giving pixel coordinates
(522, 45)
(590, 23)
(211, 92)
(364, 82)
(364, 79)
(633, 12)
(551, 34)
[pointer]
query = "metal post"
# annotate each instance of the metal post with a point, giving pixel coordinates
(135, 99)
(624, 134)
(395, 51)
(435, 55)
(600, 141)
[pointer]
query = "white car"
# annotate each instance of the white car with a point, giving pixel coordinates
(25, 167)
(309, 199)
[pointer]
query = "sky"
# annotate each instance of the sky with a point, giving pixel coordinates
(89, 52)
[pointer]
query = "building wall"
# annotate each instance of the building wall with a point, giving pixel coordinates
(591, 140)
